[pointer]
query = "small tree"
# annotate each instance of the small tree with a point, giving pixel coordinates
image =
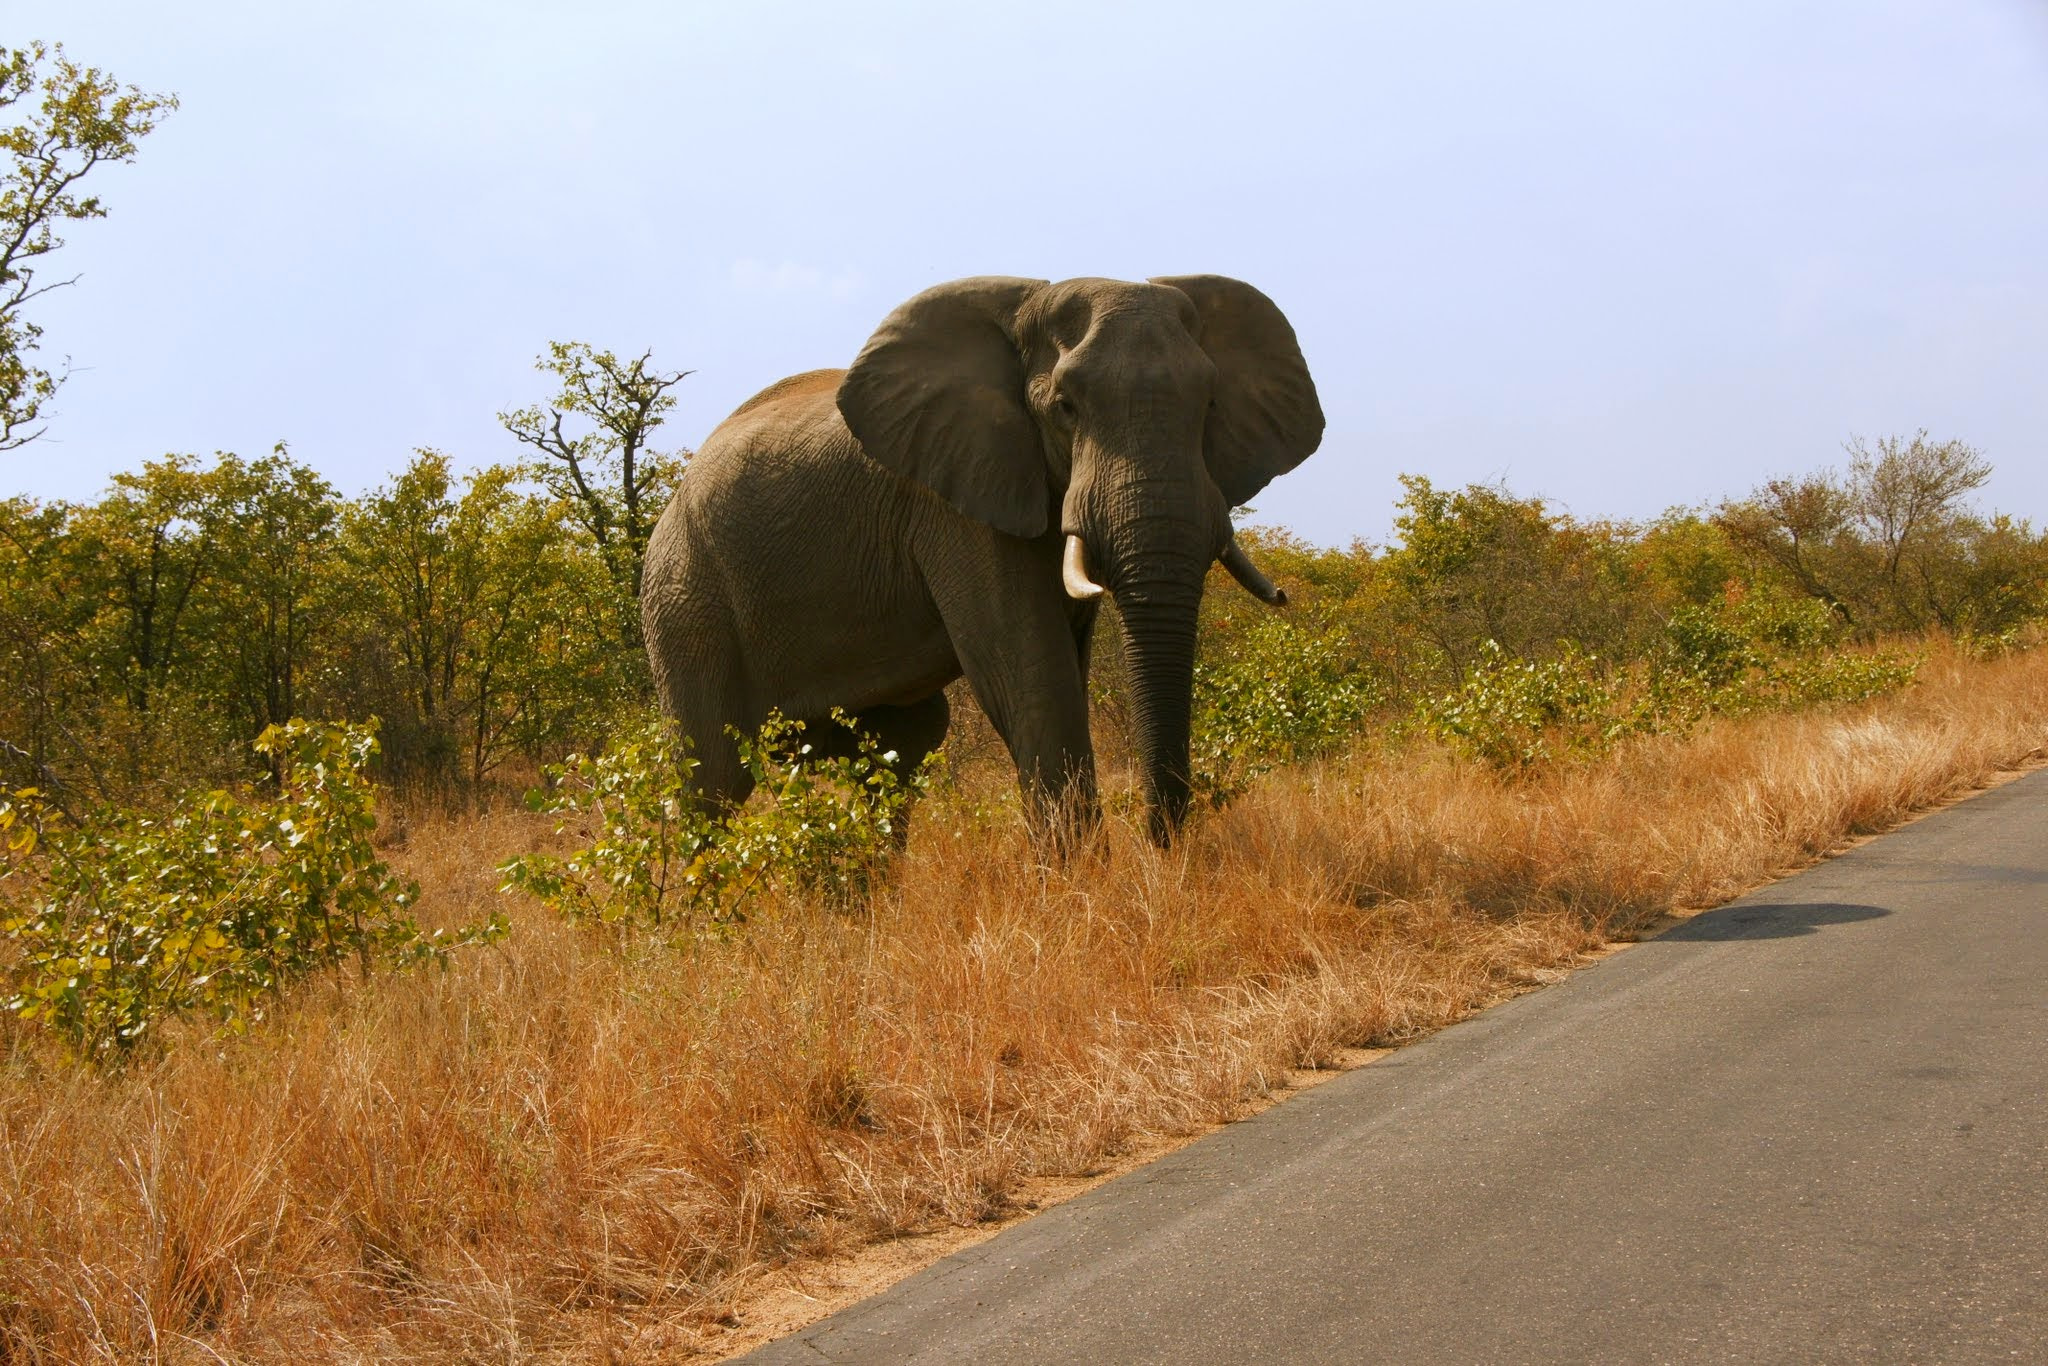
(264, 611)
(153, 539)
(1798, 526)
(1909, 498)
(402, 563)
(83, 119)
(1481, 564)
(611, 479)
(40, 630)
(468, 620)
(1886, 545)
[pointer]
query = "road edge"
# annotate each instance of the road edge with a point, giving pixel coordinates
(790, 1299)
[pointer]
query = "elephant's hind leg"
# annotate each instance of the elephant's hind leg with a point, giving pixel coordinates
(914, 731)
(701, 701)
(911, 731)
(721, 779)
(691, 647)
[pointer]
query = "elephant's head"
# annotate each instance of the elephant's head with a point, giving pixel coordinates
(1131, 417)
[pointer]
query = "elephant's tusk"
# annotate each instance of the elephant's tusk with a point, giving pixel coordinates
(1074, 571)
(1246, 573)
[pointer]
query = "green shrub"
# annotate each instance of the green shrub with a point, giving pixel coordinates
(1763, 652)
(1517, 713)
(648, 831)
(215, 907)
(653, 853)
(1281, 693)
(1786, 624)
(1704, 646)
(1843, 678)
(2027, 635)
(825, 823)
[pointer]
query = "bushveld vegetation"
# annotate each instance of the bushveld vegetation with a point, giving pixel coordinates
(491, 619)
(639, 1058)
(153, 634)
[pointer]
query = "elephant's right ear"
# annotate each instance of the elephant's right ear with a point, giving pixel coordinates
(937, 395)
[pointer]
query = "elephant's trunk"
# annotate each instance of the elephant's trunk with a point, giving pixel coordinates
(1159, 643)
(1148, 529)
(1158, 594)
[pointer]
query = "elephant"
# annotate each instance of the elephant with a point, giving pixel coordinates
(1001, 453)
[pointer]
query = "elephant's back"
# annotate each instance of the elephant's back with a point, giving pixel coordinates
(779, 492)
(796, 389)
(794, 420)
(786, 443)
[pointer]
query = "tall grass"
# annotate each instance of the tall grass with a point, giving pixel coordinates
(581, 1143)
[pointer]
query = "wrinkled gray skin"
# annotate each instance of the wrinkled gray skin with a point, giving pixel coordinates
(861, 538)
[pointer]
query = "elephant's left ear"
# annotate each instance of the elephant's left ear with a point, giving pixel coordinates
(1266, 418)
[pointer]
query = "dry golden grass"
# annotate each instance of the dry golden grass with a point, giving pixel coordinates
(575, 1146)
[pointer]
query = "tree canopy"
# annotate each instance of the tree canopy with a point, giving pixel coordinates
(62, 122)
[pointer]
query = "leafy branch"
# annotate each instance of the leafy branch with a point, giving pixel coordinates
(82, 119)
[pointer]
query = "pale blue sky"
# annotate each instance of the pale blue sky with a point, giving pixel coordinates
(1624, 254)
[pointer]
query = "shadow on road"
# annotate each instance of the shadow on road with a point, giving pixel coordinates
(1772, 921)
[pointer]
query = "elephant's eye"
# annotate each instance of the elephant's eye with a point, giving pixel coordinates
(1064, 406)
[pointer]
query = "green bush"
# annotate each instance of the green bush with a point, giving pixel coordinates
(1844, 678)
(654, 854)
(2028, 635)
(827, 822)
(1789, 625)
(1763, 652)
(1281, 693)
(1517, 713)
(648, 831)
(1706, 647)
(215, 907)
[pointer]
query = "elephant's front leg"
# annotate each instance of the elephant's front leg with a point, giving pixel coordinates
(1030, 684)
(1056, 772)
(1048, 738)
(1017, 646)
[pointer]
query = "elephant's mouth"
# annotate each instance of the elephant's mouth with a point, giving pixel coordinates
(1074, 573)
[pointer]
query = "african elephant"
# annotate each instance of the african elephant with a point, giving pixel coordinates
(1001, 452)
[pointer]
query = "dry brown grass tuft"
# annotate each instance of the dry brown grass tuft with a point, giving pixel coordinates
(576, 1145)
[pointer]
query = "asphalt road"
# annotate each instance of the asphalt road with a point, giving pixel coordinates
(1810, 1126)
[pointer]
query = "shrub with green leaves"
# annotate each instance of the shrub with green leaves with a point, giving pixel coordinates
(641, 826)
(1763, 652)
(1854, 676)
(123, 918)
(1754, 654)
(1706, 648)
(1788, 625)
(1282, 692)
(1517, 713)
(1998, 644)
(1723, 643)
(826, 822)
(653, 854)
